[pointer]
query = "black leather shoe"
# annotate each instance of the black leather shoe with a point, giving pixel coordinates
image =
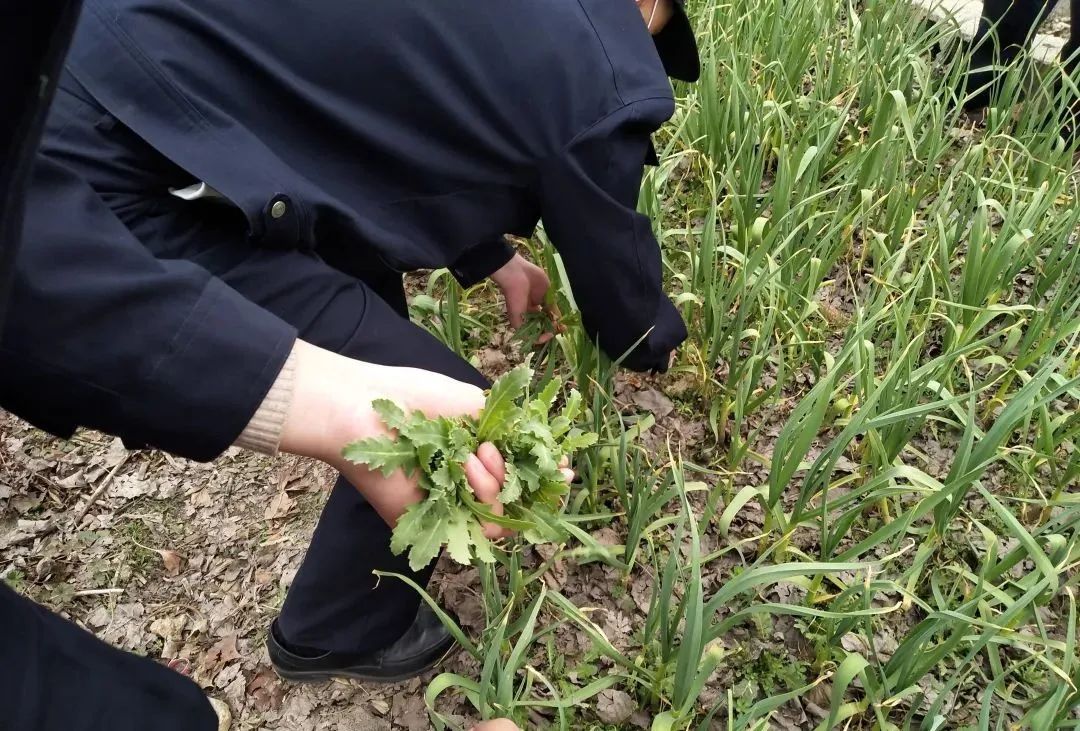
(421, 648)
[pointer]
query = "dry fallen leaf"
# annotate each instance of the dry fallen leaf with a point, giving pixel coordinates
(614, 706)
(220, 655)
(654, 402)
(266, 691)
(171, 630)
(556, 574)
(819, 696)
(279, 507)
(201, 499)
(854, 643)
(227, 647)
(117, 453)
(169, 626)
(172, 560)
(492, 361)
(129, 487)
(410, 712)
(607, 537)
(76, 480)
(223, 712)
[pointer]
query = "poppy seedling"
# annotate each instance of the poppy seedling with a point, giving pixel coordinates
(534, 442)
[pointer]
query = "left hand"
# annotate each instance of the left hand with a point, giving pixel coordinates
(524, 286)
(332, 406)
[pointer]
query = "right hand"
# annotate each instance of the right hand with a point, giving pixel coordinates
(331, 407)
(524, 287)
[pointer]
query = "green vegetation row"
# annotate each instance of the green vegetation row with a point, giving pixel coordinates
(884, 306)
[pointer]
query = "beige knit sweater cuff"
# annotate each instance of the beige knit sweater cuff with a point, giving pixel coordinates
(263, 432)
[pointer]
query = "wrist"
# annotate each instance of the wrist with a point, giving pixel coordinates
(479, 262)
(331, 403)
(264, 430)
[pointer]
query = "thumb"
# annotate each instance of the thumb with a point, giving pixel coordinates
(516, 294)
(438, 395)
(538, 289)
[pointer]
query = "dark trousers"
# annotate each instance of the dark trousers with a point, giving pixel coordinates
(344, 299)
(55, 676)
(1013, 22)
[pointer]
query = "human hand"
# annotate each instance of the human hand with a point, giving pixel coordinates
(524, 286)
(332, 406)
(499, 724)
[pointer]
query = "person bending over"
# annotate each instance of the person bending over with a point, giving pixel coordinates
(303, 156)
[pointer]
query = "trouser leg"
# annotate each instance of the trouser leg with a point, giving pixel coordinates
(335, 602)
(55, 676)
(1013, 22)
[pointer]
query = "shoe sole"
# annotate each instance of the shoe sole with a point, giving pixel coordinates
(325, 676)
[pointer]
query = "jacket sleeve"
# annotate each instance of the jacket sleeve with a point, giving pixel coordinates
(589, 197)
(33, 40)
(480, 262)
(101, 334)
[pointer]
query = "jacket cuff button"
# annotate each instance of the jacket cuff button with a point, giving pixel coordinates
(279, 209)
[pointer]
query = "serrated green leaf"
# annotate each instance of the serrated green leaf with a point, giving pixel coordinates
(382, 453)
(458, 537)
(545, 458)
(573, 406)
(411, 525)
(484, 515)
(427, 457)
(540, 407)
(457, 472)
(543, 525)
(528, 474)
(421, 431)
(481, 544)
(536, 429)
(391, 414)
(559, 426)
(426, 547)
(501, 409)
(442, 479)
(462, 443)
(532, 443)
(551, 493)
(576, 441)
(511, 491)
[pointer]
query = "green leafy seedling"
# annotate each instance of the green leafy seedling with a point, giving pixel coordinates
(533, 440)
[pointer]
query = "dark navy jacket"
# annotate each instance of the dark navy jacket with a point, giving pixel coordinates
(421, 130)
(33, 40)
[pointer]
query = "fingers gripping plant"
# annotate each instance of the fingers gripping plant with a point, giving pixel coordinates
(536, 440)
(533, 440)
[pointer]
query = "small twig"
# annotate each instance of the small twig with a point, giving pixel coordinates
(48, 481)
(97, 592)
(99, 491)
